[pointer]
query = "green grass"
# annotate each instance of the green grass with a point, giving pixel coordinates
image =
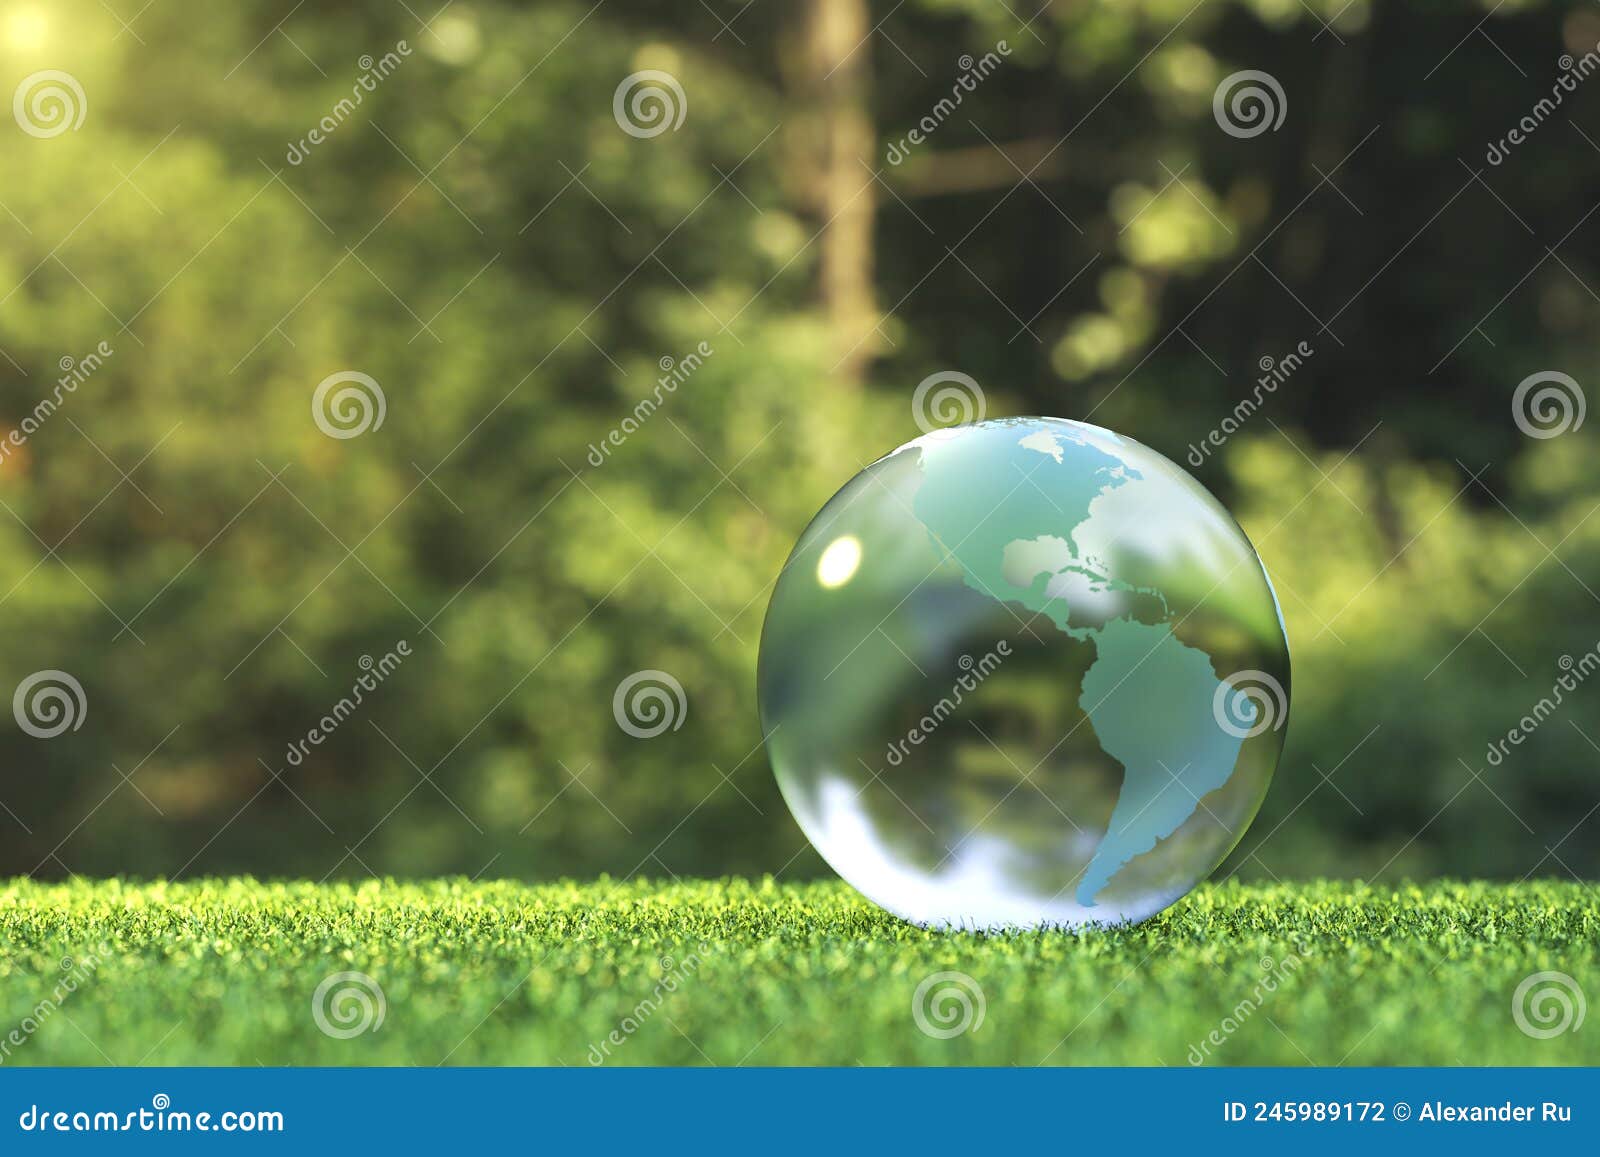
(223, 972)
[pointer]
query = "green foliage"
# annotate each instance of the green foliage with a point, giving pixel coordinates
(224, 972)
(482, 239)
(218, 605)
(1425, 661)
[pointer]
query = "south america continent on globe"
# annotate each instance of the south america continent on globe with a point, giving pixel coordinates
(1023, 673)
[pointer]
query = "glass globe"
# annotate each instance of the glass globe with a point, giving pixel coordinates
(1023, 673)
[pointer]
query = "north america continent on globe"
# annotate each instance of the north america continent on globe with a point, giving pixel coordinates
(1023, 673)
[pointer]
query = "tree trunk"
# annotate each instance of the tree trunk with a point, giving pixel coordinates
(835, 147)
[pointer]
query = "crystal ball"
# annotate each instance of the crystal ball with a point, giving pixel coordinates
(1023, 673)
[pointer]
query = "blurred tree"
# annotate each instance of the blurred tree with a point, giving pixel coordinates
(836, 166)
(520, 274)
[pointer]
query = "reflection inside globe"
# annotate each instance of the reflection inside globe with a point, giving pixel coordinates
(1024, 673)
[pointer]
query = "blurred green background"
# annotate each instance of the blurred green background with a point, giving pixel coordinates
(483, 239)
